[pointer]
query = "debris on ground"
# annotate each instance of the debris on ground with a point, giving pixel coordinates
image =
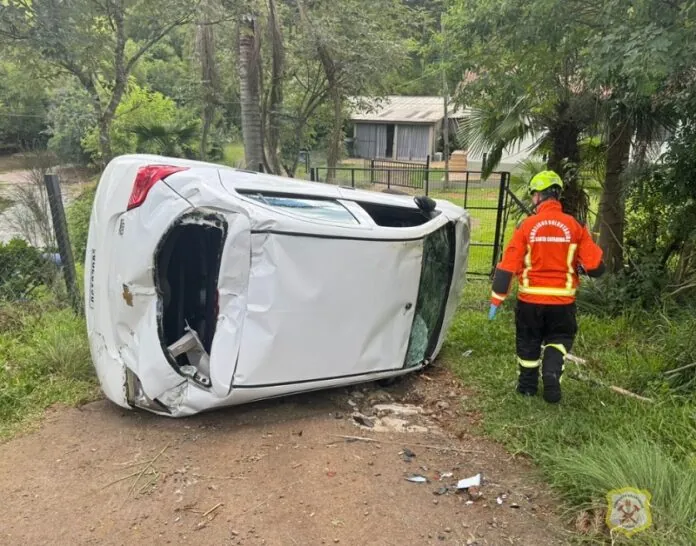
(407, 455)
(466, 483)
(417, 478)
(363, 421)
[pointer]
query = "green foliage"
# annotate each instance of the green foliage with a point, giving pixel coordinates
(70, 116)
(22, 269)
(23, 106)
(631, 351)
(44, 359)
(146, 121)
(79, 214)
(588, 472)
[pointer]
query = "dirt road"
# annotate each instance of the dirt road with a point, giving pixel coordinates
(275, 473)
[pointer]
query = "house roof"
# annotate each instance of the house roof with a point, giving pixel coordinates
(401, 109)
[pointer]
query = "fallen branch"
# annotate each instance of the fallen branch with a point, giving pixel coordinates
(218, 505)
(681, 368)
(424, 446)
(614, 388)
(147, 467)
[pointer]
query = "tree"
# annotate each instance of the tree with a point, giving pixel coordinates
(99, 43)
(210, 83)
(636, 58)
(357, 47)
(249, 67)
(522, 70)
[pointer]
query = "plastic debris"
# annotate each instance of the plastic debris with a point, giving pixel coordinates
(468, 353)
(417, 478)
(445, 475)
(407, 455)
(363, 421)
(499, 500)
(473, 481)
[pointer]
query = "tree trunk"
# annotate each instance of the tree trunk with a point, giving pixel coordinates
(119, 89)
(248, 67)
(564, 159)
(612, 211)
(275, 96)
(205, 48)
(333, 153)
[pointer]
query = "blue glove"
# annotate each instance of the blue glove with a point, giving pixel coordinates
(492, 311)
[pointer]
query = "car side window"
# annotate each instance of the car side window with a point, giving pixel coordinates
(328, 210)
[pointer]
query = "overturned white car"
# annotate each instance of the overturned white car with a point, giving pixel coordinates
(208, 286)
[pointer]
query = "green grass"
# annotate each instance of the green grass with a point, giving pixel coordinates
(233, 155)
(44, 360)
(595, 440)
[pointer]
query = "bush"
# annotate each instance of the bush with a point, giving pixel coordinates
(44, 361)
(78, 215)
(22, 270)
(149, 113)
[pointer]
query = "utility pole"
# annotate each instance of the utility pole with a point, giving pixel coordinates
(445, 97)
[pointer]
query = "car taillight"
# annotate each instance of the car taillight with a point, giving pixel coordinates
(147, 177)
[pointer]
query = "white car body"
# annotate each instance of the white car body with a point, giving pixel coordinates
(310, 291)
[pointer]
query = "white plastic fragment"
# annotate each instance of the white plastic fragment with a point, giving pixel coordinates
(417, 479)
(474, 481)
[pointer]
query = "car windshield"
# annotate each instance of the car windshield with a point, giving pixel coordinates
(318, 209)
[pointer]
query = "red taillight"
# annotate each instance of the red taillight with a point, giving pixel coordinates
(147, 177)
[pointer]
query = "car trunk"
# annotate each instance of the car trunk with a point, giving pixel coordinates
(187, 266)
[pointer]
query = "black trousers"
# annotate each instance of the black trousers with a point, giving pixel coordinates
(551, 326)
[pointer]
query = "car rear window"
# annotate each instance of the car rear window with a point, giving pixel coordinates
(328, 210)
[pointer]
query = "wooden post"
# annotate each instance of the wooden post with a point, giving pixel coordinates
(60, 228)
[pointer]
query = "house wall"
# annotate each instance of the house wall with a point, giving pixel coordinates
(411, 141)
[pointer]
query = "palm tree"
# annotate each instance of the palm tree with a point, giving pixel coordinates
(174, 140)
(249, 69)
(555, 132)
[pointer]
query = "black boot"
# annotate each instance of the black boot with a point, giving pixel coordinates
(528, 381)
(551, 374)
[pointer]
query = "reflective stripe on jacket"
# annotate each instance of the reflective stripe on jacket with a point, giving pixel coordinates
(544, 254)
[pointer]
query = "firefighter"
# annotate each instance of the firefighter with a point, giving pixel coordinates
(546, 253)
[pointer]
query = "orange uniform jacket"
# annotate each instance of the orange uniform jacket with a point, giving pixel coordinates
(544, 254)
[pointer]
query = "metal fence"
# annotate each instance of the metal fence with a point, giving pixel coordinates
(36, 257)
(489, 201)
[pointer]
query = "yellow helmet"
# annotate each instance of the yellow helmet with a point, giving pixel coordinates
(544, 180)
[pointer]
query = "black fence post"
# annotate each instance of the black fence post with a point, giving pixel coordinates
(352, 177)
(499, 218)
(260, 167)
(372, 171)
(388, 178)
(60, 228)
(426, 174)
(312, 174)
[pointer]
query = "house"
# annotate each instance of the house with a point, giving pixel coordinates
(397, 127)
(410, 129)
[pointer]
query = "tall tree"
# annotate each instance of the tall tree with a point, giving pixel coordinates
(210, 83)
(99, 43)
(357, 47)
(249, 68)
(522, 68)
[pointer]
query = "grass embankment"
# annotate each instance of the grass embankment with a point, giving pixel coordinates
(595, 440)
(44, 354)
(44, 360)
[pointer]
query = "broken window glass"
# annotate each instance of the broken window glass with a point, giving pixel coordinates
(436, 278)
(328, 210)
